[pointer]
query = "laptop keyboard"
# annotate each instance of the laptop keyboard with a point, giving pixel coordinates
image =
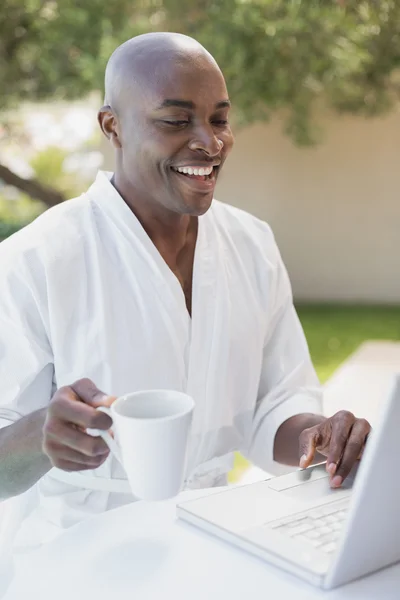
(319, 526)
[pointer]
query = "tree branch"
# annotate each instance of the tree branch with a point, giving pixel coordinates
(32, 187)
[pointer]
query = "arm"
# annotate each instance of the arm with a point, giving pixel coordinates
(288, 426)
(26, 376)
(38, 431)
(54, 436)
(22, 460)
(39, 426)
(289, 395)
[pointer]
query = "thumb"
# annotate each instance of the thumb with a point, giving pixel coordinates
(308, 442)
(104, 400)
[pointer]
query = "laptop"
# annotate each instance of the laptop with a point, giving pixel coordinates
(298, 523)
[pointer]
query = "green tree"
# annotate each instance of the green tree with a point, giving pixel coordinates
(276, 54)
(290, 54)
(56, 49)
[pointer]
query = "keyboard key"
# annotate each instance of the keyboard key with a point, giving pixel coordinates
(320, 523)
(301, 528)
(327, 539)
(330, 519)
(316, 514)
(325, 530)
(312, 534)
(329, 510)
(302, 538)
(288, 522)
(328, 548)
(296, 522)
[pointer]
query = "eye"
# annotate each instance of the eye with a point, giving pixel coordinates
(176, 123)
(220, 122)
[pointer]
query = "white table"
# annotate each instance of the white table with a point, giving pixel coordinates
(141, 551)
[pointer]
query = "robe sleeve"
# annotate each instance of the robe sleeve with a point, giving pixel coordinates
(288, 383)
(26, 363)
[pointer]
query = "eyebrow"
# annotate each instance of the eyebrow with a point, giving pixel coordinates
(189, 104)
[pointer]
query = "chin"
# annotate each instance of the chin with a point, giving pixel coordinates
(197, 206)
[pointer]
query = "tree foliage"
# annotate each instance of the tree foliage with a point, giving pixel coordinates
(277, 55)
(57, 48)
(290, 54)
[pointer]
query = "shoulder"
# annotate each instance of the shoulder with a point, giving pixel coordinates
(51, 239)
(245, 231)
(57, 226)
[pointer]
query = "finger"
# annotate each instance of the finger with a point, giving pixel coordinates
(342, 423)
(69, 466)
(69, 436)
(308, 442)
(67, 407)
(88, 392)
(365, 442)
(352, 451)
(58, 454)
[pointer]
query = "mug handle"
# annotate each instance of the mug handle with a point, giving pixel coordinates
(109, 440)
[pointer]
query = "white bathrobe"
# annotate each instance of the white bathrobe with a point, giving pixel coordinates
(85, 293)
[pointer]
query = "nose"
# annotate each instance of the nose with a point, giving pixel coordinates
(206, 141)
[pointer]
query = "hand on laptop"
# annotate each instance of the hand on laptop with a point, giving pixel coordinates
(340, 438)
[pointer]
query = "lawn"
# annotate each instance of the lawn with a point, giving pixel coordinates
(334, 332)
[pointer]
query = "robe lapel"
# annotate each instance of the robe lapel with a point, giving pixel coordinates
(209, 344)
(142, 261)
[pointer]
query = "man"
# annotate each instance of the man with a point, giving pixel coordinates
(145, 282)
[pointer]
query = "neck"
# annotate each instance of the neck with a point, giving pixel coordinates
(170, 232)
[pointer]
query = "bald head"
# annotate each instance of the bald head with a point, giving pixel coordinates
(140, 61)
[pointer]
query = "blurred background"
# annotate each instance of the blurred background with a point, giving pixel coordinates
(316, 91)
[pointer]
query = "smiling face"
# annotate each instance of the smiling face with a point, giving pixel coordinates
(172, 132)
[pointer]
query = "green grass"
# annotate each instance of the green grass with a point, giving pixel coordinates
(333, 333)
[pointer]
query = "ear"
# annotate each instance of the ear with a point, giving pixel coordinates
(109, 125)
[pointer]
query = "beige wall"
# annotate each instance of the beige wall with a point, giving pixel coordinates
(335, 208)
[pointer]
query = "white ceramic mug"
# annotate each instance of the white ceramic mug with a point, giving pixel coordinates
(152, 428)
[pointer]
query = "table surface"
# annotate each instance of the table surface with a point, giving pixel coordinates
(142, 551)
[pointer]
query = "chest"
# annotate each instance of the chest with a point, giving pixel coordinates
(181, 265)
(130, 329)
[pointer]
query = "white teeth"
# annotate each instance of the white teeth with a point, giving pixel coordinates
(195, 170)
